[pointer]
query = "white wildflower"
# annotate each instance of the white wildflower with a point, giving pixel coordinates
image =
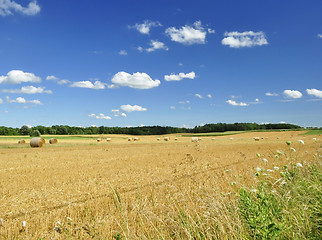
(299, 165)
(276, 168)
(265, 160)
(24, 224)
(293, 149)
(301, 141)
(258, 169)
(269, 170)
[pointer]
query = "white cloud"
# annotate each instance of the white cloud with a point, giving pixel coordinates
(209, 96)
(198, 96)
(1, 101)
(184, 102)
(156, 45)
(58, 80)
(145, 27)
(179, 77)
(244, 39)
(256, 100)
(320, 35)
(140, 48)
(118, 113)
(7, 7)
(271, 94)
(99, 116)
(22, 101)
(134, 108)
(136, 80)
(314, 92)
(180, 64)
(123, 52)
(89, 84)
(234, 103)
(188, 35)
(52, 77)
(28, 90)
(18, 76)
(292, 94)
(172, 107)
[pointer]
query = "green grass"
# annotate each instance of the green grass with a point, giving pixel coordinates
(313, 132)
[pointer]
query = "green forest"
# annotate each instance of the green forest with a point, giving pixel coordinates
(145, 130)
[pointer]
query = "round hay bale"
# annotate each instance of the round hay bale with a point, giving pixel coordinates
(98, 140)
(166, 139)
(129, 139)
(53, 141)
(158, 139)
(21, 141)
(136, 139)
(37, 142)
(108, 139)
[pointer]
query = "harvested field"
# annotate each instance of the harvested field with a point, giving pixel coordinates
(77, 181)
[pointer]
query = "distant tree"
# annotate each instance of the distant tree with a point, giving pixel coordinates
(35, 133)
(24, 130)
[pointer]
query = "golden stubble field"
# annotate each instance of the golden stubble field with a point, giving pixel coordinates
(81, 188)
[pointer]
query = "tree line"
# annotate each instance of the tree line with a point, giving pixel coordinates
(145, 130)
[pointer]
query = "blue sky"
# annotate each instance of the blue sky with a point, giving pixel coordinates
(175, 63)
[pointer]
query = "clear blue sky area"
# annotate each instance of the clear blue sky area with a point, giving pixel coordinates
(175, 63)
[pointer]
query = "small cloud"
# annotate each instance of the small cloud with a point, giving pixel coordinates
(58, 80)
(180, 64)
(188, 35)
(28, 90)
(209, 96)
(244, 39)
(179, 77)
(21, 100)
(118, 113)
(271, 94)
(172, 107)
(1, 101)
(134, 108)
(135, 80)
(140, 48)
(88, 84)
(319, 35)
(211, 31)
(123, 53)
(95, 52)
(314, 92)
(292, 94)
(99, 116)
(234, 103)
(145, 27)
(156, 45)
(7, 7)
(184, 102)
(18, 76)
(198, 96)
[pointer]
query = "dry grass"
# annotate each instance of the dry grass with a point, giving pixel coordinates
(80, 188)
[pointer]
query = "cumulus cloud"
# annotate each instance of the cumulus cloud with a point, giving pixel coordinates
(99, 116)
(156, 45)
(319, 35)
(292, 94)
(135, 80)
(198, 96)
(145, 27)
(58, 80)
(88, 84)
(28, 90)
(7, 7)
(123, 52)
(209, 96)
(271, 94)
(188, 35)
(179, 77)
(244, 39)
(314, 92)
(18, 76)
(234, 103)
(118, 113)
(134, 108)
(22, 101)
